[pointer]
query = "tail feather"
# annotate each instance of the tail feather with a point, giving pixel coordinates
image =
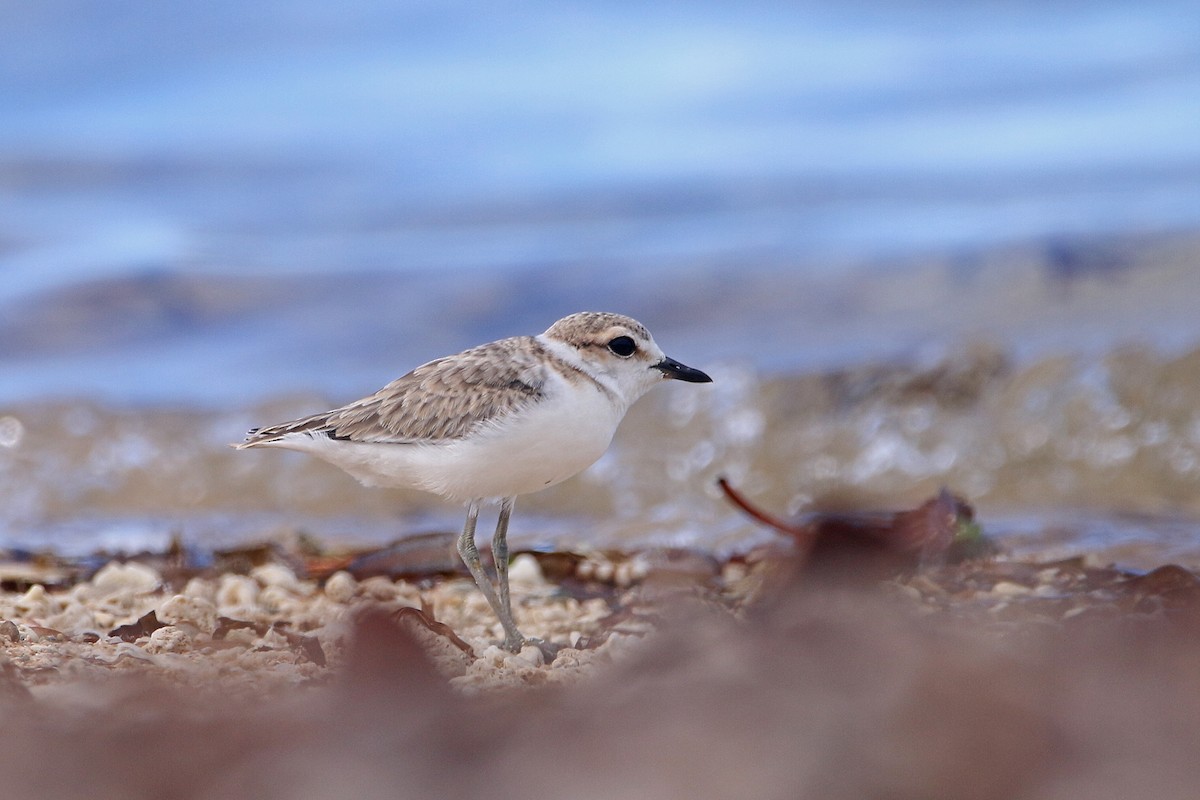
(272, 433)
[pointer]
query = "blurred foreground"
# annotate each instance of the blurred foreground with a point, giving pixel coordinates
(987, 679)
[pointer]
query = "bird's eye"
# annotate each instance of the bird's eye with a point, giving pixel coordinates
(623, 346)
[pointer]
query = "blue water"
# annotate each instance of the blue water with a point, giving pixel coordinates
(342, 141)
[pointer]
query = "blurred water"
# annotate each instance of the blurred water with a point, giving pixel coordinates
(1062, 456)
(302, 137)
(217, 215)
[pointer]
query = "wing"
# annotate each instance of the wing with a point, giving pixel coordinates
(440, 401)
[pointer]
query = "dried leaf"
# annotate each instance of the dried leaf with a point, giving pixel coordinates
(309, 646)
(798, 532)
(47, 633)
(227, 624)
(878, 544)
(422, 556)
(440, 628)
(144, 626)
(1169, 587)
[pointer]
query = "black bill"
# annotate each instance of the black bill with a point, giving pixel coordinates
(671, 368)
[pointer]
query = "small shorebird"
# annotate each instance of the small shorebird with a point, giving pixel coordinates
(493, 422)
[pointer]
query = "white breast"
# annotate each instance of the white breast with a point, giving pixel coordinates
(546, 443)
(553, 440)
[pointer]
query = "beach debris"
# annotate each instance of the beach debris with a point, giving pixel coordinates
(144, 626)
(9, 631)
(308, 646)
(341, 587)
(20, 571)
(1171, 589)
(424, 618)
(421, 556)
(942, 529)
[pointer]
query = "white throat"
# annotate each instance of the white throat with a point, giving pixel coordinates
(570, 355)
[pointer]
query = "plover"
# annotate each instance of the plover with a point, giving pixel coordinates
(493, 422)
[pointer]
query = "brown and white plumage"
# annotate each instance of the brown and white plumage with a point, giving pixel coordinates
(443, 400)
(495, 421)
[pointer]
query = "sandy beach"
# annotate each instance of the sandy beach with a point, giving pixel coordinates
(985, 678)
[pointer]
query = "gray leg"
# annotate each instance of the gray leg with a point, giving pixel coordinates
(500, 556)
(470, 556)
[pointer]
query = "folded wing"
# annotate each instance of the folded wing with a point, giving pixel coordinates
(440, 401)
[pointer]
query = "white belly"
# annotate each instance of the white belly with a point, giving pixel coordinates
(546, 444)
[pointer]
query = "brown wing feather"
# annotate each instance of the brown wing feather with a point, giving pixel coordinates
(439, 401)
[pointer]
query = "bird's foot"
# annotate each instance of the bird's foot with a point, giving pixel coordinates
(515, 644)
(514, 641)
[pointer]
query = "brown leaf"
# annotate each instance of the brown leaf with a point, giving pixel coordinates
(422, 556)
(227, 624)
(440, 628)
(870, 545)
(1170, 587)
(309, 646)
(47, 633)
(320, 567)
(242, 559)
(798, 532)
(144, 626)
